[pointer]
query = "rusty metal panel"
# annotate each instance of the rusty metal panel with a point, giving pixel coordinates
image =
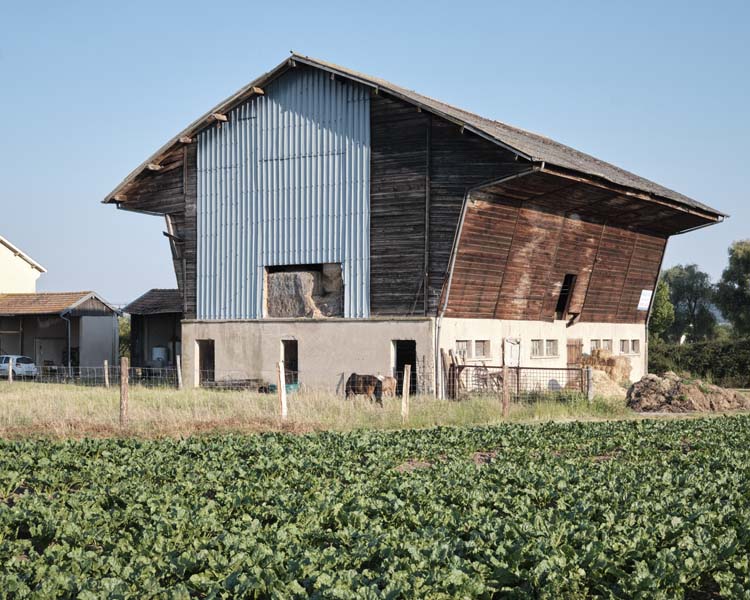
(285, 181)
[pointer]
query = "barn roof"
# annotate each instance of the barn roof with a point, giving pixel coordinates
(49, 303)
(155, 302)
(527, 145)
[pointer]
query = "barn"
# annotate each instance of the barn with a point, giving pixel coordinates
(344, 223)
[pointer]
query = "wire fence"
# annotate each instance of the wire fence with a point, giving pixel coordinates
(522, 384)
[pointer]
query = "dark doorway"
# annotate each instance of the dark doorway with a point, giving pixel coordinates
(205, 360)
(405, 353)
(290, 357)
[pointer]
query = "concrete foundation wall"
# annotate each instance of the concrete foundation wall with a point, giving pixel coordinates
(496, 331)
(328, 350)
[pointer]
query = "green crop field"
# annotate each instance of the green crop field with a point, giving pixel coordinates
(631, 509)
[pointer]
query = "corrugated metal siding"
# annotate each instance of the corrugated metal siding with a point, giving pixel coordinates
(285, 181)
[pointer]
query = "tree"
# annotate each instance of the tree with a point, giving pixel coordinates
(733, 289)
(662, 311)
(691, 293)
(124, 326)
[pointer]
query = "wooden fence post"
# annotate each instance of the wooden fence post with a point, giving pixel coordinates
(589, 383)
(282, 390)
(124, 391)
(106, 373)
(405, 389)
(178, 364)
(10, 369)
(506, 392)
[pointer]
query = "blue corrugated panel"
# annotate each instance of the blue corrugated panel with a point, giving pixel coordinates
(285, 181)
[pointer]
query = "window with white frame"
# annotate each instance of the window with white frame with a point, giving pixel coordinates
(482, 349)
(630, 346)
(607, 345)
(463, 349)
(545, 348)
(596, 344)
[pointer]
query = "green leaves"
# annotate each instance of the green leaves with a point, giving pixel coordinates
(655, 509)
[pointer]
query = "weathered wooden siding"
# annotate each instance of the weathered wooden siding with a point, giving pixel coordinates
(172, 191)
(413, 155)
(513, 257)
(398, 172)
(189, 231)
(458, 161)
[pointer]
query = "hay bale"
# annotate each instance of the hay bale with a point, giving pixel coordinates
(617, 368)
(605, 386)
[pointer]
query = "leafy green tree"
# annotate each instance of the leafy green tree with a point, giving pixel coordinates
(692, 294)
(124, 326)
(733, 289)
(662, 311)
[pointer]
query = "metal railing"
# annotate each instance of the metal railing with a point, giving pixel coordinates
(523, 384)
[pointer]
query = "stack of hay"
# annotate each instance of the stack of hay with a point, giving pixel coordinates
(617, 368)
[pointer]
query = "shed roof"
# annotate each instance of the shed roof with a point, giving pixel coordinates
(527, 145)
(47, 303)
(156, 301)
(22, 255)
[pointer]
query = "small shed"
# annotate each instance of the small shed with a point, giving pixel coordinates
(70, 329)
(155, 333)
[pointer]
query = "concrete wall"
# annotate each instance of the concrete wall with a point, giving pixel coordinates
(99, 339)
(329, 350)
(496, 331)
(16, 275)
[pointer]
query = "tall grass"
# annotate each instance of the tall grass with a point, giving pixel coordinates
(68, 410)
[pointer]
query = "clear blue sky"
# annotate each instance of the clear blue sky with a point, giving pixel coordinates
(88, 90)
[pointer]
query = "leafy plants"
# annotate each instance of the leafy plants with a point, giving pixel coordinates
(650, 509)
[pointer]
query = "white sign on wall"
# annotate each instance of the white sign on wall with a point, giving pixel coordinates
(645, 300)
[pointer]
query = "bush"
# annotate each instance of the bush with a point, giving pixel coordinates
(726, 363)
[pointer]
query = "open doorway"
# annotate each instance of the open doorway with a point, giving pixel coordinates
(405, 353)
(205, 360)
(290, 356)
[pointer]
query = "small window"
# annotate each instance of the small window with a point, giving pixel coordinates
(624, 346)
(482, 349)
(566, 292)
(635, 346)
(3, 360)
(544, 349)
(607, 345)
(463, 349)
(596, 344)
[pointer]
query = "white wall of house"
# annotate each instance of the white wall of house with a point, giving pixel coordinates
(460, 333)
(17, 275)
(328, 350)
(99, 339)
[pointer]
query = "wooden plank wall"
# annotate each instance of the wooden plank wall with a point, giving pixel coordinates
(173, 191)
(400, 177)
(512, 259)
(398, 183)
(459, 161)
